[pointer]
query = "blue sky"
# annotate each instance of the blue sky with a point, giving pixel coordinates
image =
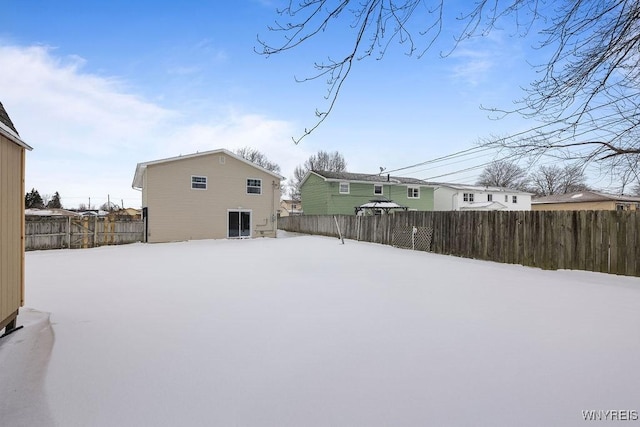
(96, 87)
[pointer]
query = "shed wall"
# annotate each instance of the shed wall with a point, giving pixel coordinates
(11, 229)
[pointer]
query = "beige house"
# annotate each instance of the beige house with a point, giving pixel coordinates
(210, 195)
(290, 207)
(585, 200)
(12, 167)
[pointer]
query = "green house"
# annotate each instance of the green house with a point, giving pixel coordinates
(339, 193)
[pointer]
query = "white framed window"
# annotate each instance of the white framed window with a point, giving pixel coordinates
(515, 199)
(413, 192)
(506, 198)
(254, 186)
(489, 197)
(344, 188)
(198, 182)
(377, 189)
(468, 197)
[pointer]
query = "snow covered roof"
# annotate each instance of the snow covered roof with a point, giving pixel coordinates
(366, 178)
(8, 130)
(483, 206)
(381, 205)
(481, 188)
(140, 168)
(584, 196)
(50, 212)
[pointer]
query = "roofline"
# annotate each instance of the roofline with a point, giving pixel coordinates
(604, 197)
(10, 134)
(140, 167)
(480, 187)
(356, 181)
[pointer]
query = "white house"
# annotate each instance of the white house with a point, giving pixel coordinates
(460, 197)
(209, 195)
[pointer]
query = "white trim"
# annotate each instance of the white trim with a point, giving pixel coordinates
(140, 167)
(413, 187)
(381, 193)
(340, 187)
(239, 210)
(206, 180)
(11, 135)
(253, 186)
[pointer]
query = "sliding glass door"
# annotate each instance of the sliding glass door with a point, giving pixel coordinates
(239, 224)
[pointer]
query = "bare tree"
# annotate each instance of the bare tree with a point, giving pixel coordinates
(322, 161)
(503, 174)
(588, 93)
(255, 156)
(553, 179)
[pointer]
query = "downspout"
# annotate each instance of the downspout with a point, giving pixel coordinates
(273, 208)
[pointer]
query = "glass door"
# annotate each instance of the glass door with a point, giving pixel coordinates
(239, 224)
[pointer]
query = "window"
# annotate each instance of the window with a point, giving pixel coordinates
(413, 192)
(254, 186)
(506, 198)
(199, 182)
(377, 189)
(515, 199)
(344, 188)
(489, 197)
(467, 197)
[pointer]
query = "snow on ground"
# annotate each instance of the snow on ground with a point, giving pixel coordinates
(304, 331)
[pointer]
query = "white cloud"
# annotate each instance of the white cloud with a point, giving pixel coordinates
(89, 131)
(477, 59)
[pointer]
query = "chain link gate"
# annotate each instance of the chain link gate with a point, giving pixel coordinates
(416, 238)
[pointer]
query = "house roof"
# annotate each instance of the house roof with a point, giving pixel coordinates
(583, 197)
(140, 168)
(367, 178)
(8, 130)
(50, 212)
(470, 187)
(483, 206)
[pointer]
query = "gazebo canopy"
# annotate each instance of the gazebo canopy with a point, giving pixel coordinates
(379, 205)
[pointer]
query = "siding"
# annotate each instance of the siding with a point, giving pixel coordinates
(586, 206)
(321, 197)
(11, 228)
(447, 199)
(178, 212)
(314, 197)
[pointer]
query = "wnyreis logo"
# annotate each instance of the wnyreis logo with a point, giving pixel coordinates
(610, 415)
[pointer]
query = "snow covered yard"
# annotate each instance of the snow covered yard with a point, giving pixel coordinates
(303, 331)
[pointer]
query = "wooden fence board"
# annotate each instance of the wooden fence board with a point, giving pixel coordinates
(82, 232)
(604, 241)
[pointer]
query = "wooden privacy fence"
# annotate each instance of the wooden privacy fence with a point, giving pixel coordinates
(602, 241)
(80, 232)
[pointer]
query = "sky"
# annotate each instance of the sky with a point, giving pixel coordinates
(97, 87)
